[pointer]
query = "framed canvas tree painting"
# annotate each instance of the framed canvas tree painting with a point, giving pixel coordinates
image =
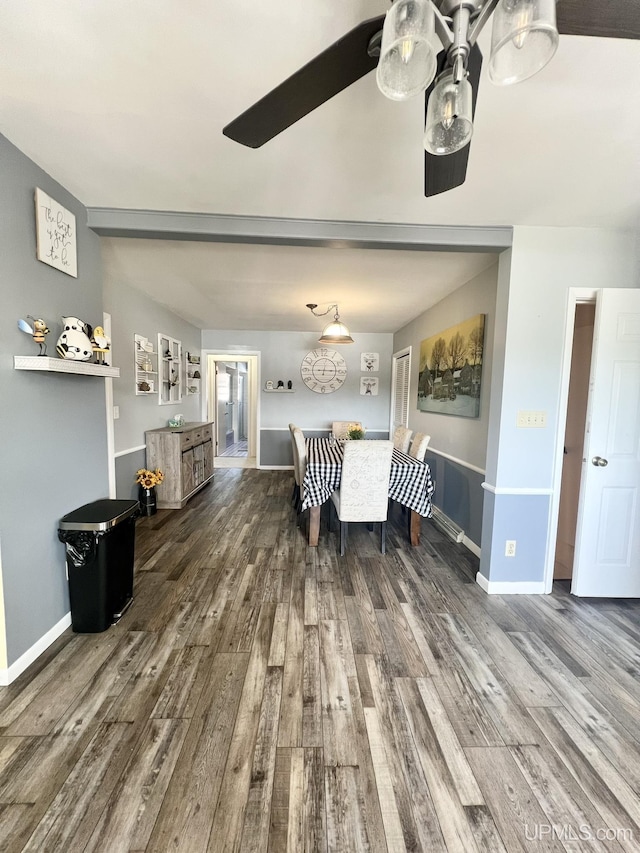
(450, 375)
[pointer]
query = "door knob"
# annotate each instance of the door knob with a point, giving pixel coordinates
(599, 462)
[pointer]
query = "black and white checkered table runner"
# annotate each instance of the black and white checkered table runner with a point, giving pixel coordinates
(410, 483)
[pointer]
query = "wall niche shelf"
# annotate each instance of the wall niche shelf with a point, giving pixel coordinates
(62, 365)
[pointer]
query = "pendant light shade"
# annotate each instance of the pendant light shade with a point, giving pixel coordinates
(523, 40)
(407, 62)
(449, 124)
(336, 332)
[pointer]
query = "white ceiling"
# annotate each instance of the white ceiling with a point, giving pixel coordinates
(124, 104)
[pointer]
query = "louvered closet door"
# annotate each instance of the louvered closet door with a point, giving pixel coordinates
(400, 402)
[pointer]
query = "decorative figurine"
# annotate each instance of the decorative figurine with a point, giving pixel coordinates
(75, 341)
(280, 384)
(101, 344)
(289, 385)
(38, 332)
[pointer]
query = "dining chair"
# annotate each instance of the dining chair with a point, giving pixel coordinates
(402, 439)
(296, 484)
(341, 428)
(419, 444)
(299, 463)
(364, 487)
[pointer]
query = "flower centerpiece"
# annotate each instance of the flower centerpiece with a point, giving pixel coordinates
(355, 432)
(147, 482)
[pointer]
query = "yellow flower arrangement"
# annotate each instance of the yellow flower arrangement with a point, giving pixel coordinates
(149, 479)
(355, 432)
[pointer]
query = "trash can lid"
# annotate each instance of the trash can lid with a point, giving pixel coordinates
(99, 515)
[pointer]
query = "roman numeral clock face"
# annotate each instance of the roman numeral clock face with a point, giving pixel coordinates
(323, 370)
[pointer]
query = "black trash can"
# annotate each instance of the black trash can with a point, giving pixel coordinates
(100, 545)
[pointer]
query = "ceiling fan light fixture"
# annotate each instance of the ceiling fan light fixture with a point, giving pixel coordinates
(524, 39)
(407, 62)
(449, 123)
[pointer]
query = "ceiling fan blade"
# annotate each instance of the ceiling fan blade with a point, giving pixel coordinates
(609, 18)
(337, 67)
(442, 173)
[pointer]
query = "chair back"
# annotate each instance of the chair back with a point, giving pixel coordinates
(364, 484)
(299, 456)
(419, 446)
(341, 428)
(294, 451)
(401, 438)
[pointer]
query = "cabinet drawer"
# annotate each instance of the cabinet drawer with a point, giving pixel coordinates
(206, 432)
(186, 440)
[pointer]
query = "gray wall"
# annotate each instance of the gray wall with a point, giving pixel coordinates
(281, 355)
(133, 312)
(458, 487)
(53, 453)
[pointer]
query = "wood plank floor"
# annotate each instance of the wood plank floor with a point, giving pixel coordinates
(261, 695)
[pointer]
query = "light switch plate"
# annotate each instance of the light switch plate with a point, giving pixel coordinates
(530, 419)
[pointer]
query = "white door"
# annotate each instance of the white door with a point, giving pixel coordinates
(607, 561)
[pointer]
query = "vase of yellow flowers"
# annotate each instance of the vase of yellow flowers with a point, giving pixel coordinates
(147, 482)
(355, 432)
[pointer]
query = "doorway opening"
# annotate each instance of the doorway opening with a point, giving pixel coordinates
(232, 406)
(574, 439)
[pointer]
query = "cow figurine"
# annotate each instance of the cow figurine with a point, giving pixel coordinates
(75, 341)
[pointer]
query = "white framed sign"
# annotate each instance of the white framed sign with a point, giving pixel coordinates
(55, 235)
(369, 362)
(369, 386)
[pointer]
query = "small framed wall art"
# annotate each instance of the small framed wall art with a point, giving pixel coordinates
(55, 235)
(369, 362)
(369, 386)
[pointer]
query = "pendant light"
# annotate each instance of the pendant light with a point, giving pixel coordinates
(334, 333)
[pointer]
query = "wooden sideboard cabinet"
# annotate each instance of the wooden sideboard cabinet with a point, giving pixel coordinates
(185, 456)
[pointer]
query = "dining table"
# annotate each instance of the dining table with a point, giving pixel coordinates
(410, 483)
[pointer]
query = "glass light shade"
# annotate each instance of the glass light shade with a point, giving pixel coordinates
(449, 124)
(523, 39)
(407, 62)
(336, 333)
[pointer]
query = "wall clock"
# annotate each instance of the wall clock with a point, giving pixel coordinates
(323, 370)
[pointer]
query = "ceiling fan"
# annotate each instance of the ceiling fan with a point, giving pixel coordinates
(431, 46)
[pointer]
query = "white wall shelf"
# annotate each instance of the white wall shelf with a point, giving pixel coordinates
(145, 357)
(279, 390)
(191, 366)
(169, 370)
(63, 365)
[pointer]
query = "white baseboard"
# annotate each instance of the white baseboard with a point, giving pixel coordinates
(475, 549)
(509, 587)
(26, 659)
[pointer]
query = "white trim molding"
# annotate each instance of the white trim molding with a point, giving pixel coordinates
(509, 490)
(510, 587)
(456, 460)
(129, 450)
(27, 658)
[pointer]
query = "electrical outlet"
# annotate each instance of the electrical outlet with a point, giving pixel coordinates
(510, 548)
(116, 412)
